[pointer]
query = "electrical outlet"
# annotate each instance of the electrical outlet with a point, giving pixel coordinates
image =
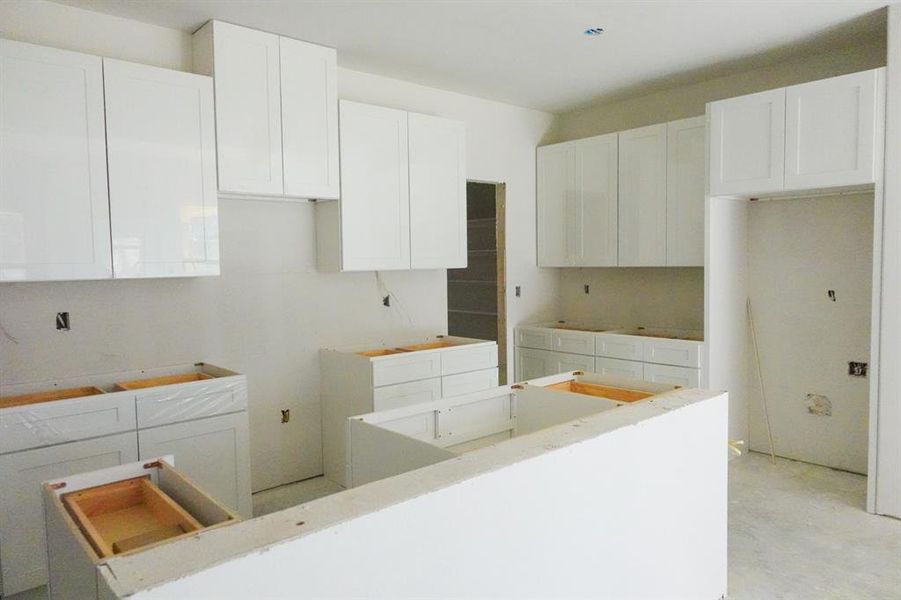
(857, 369)
(587, 288)
(62, 321)
(286, 415)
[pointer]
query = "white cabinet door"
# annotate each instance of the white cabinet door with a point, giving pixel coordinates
(596, 211)
(309, 105)
(23, 553)
(619, 368)
(642, 197)
(533, 337)
(747, 144)
(248, 110)
(531, 363)
(685, 188)
(560, 362)
(162, 164)
(437, 192)
(830, 131)
(54, 210)
(556, 204)
(682, 376)
(375, 201)
(213, 452)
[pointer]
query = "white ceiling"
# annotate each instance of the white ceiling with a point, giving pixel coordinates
(534, 53)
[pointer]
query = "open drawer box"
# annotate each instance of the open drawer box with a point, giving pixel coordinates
(124, 510)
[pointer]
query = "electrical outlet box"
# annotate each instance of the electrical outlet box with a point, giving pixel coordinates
(857, 369)
(62, 321)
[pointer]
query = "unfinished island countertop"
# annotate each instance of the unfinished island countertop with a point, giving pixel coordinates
(361, 379)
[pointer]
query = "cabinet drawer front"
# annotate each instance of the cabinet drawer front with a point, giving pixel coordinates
(561, 362)
(49, 423)
(467, 383)
(619, 368)
(626, 347)
(468, 359)
(683, 376)
(406, 367)
(406, 394)
(23, 553)
(184, 402)
(573, 342)
(533, 337)
(679, 353)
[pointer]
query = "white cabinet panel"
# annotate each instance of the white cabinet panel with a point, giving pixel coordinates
(556, 204)
(467, 383)
(375, 202)
(596, 202)
(167, 404)
(830, 131)
(533, 337)
(683, 376)
(642, 196)
(248, 110)
(468, 358)
(573, 342)
(309, 105)
(619, 368)
(162, 161)
(685, 191)
(408, 366)
(561, 362)
(54, 210)
(212, 452)
(626, 347)
(681, 353)
(405, 394)
(747, 144)
(531, 363)
(23, 554)
(437, 192)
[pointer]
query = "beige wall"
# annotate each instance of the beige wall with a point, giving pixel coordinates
(270, 310)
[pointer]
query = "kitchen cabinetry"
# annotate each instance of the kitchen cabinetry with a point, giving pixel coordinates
(23, 551)
(276, 112)
(161, 148)
(355, 381)
(642, 197)
(54, 208)
(577, 203)
(665, 356)
(403, 201)
(810, 136)
(685, 191)
(196, 413)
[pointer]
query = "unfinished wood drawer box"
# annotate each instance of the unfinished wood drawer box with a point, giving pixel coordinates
(680, 353)
(405, 394)
(173, 399)
(473, 358)
(466, 383)
(56, 421)
(97, 516)
(405, 366)
(573, 342)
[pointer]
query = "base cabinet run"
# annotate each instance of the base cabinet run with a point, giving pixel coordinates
(198, 414)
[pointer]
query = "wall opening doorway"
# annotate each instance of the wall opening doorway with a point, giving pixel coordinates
(476, 295)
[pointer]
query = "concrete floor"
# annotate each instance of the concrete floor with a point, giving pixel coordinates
(796, 532)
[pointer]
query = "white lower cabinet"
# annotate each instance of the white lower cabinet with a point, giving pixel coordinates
(405, 394)
(23, 553)
(210, 451)
(619, 368)
(683, 376)
(467, 383)
(532, 363)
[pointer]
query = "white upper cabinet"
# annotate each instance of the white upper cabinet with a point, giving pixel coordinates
(162, 171)
(747, 144)
(685, 192)
(642, 196)
(375, 204)
(830, 131)
(596, 210)
(54, 211)
(245, 65)
(403, 193)
(437, 192)
(276, 112)
(577, 203)
(555, 191)
(309, 120)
